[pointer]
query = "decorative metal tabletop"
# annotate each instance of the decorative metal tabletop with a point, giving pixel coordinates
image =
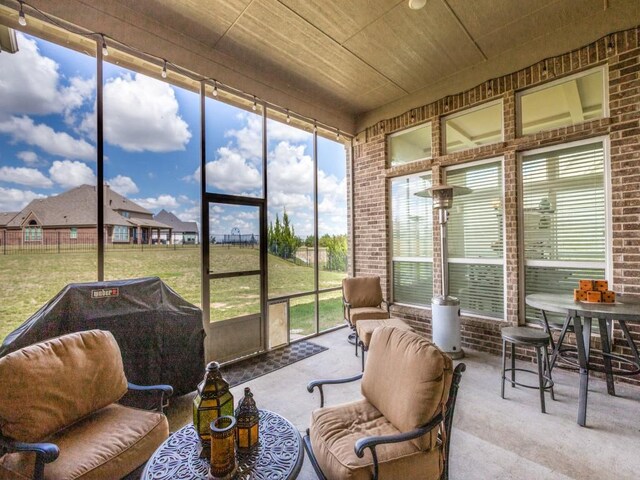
(278, 456)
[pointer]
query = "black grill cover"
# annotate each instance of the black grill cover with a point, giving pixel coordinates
(160, 334)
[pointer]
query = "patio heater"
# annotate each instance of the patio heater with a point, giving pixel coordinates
(445, 310)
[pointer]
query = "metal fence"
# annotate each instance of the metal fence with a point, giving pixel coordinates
(19, 242)
(245, 240)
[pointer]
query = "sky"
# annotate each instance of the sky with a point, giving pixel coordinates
(152, 145)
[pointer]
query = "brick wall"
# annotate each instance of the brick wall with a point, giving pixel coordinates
(620, 52)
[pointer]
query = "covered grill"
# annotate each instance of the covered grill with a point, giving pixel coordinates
(160, 334)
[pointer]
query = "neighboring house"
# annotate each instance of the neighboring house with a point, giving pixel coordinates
(5, 217)
(71, 217)
(181, 232)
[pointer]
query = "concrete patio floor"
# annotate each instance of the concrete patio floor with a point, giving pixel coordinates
(492, 438)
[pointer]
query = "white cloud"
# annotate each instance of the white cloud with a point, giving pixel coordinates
(293, 202)
(31, 177)
(69, 174)
(140, 114)
(13, 199)
(231, 173)
(28, 157)
(290, 170)
(281, 131)
(31, 83)
(158, 203)
(75, 95)
(123, 185)
(23, 129)
(236, 170)
(190, 215)
(248, 140)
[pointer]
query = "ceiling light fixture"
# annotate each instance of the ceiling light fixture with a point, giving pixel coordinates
(288, 116)
(215, 88)
(315, 127)
(22, 20)
(255, 105)
(164, 69)
(417, 4)
(338, 134)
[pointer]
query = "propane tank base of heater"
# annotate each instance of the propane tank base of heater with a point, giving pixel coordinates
(445, 325)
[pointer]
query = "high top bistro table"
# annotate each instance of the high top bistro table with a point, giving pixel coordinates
(582, 315)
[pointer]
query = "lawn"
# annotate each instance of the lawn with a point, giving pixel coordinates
(29, 280)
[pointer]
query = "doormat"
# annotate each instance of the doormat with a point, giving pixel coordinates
(268, 362)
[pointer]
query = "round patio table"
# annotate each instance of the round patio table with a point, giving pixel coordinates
(278, 456)
(582, 315)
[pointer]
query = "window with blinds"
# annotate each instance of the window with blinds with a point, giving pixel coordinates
(476, 259)
(563, 212)
(412, 237)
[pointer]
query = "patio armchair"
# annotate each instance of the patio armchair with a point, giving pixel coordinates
(401, 429)
(59, 416)
(362, 300)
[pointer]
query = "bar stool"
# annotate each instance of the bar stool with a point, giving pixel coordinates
(528, 337)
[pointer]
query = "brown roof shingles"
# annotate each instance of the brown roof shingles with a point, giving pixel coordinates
(6, 217)
(175, 223)
(77, 207)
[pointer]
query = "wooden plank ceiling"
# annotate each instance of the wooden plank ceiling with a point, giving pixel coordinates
(362, 58)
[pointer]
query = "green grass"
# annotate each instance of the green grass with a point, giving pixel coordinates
(28, 281)
(302, 313)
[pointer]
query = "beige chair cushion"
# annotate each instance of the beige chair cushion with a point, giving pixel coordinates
(367, 313)
(50, 385)
(367, 327)
(334, 431)
(109, 444)
(362, 291)
(407, 378)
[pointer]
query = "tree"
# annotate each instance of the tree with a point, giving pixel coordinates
(282, 240)
(336, 246)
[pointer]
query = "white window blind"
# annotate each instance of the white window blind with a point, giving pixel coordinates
(563, 205)
(476, 261)
(412, 234)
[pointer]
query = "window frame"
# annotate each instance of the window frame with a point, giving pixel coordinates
(488, 261)
(608, 226)
(73, 233)
(118, 231)
(559, 81)
(33, 233)
(393, 259)
(404, 131)
(466, 111)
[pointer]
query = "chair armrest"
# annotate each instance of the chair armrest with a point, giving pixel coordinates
(45, 453)
(346, 311)
(320, 383)
(160, 390)
(371, 442)
(386, 305)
